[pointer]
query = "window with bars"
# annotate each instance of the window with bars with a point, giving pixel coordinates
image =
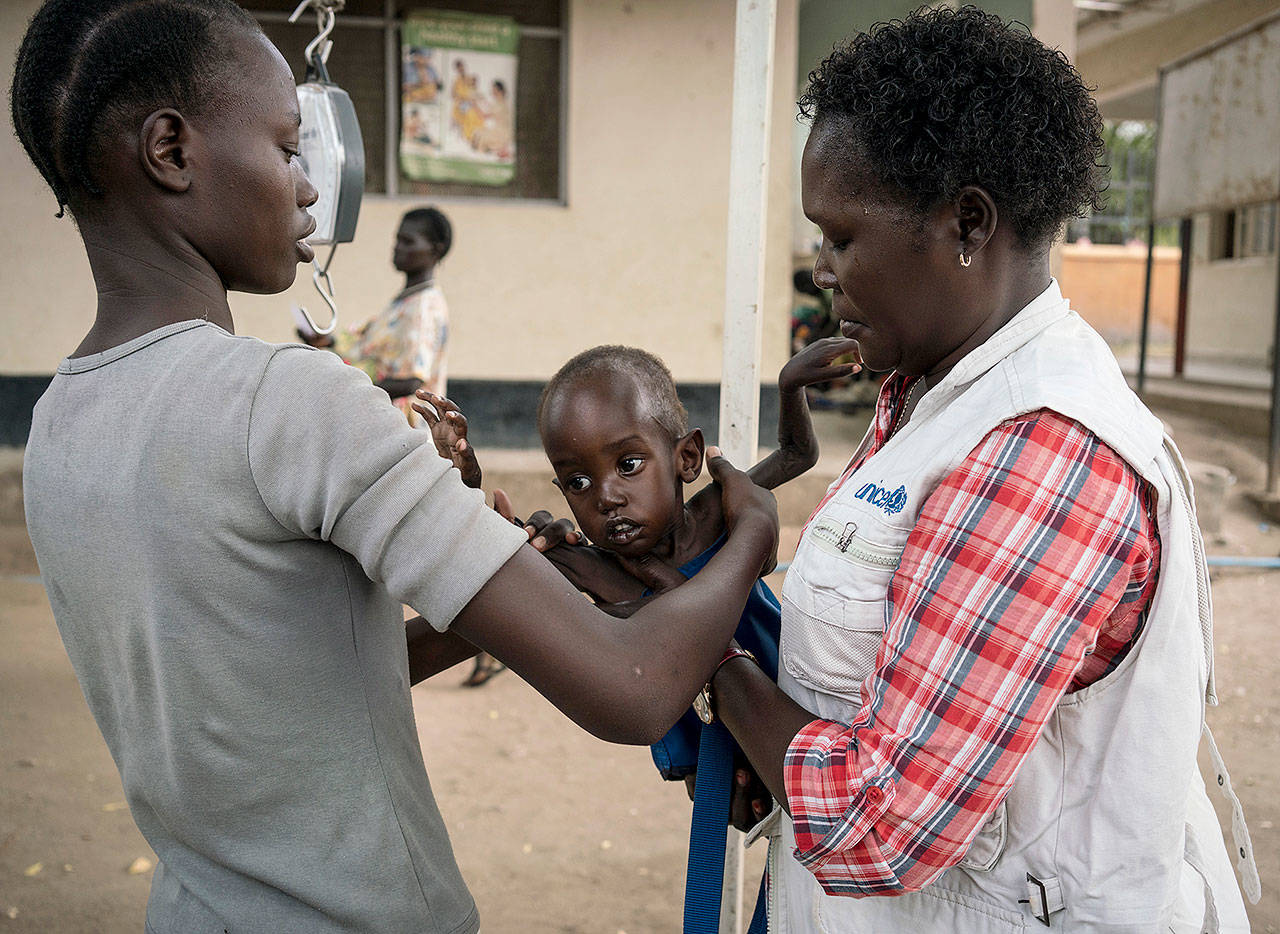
(365, 62)
(1241, 232)
(1256, 229)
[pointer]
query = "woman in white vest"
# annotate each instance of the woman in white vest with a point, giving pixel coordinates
(996, 635)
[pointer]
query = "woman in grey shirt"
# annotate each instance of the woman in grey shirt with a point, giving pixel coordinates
(227, 576)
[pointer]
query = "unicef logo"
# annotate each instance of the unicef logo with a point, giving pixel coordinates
(891, 501)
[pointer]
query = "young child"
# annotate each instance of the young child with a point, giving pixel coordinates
(618, 438)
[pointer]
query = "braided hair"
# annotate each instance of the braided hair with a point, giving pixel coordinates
(434, 225)
(86, 67)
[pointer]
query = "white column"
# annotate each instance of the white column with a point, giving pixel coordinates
(744, 293)
(744, 266)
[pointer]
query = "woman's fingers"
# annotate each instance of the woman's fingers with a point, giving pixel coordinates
(741, 499)
(836, 370)
(749, 801)
(502, 506)
(653, 572)
(546, 533)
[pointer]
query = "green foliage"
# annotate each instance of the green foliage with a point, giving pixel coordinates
(1130, 155)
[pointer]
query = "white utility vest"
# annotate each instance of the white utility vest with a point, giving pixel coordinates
(1107, 826)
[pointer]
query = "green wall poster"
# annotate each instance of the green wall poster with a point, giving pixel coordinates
(458, 98)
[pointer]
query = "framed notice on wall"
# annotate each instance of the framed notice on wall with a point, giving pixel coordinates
(458, 98)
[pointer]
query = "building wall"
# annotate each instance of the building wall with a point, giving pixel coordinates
(1105, 285)
(637, 255)
(1230, 304)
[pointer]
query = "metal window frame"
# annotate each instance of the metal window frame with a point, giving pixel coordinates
(390, 24)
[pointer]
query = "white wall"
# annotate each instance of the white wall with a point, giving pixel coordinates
(636, 256)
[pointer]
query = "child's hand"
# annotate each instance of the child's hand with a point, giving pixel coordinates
(545, 531)
(814, 364)
(449, 432)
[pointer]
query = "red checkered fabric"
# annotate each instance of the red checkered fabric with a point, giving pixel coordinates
(1027, 575)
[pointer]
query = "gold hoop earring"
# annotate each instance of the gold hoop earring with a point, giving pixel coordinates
(965, 260)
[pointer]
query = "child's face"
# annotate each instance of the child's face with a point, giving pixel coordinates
(247, 213)
(620, 471)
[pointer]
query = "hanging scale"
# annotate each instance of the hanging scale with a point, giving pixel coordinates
(331, 153)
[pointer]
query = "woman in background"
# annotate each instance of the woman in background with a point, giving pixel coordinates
(403, 348)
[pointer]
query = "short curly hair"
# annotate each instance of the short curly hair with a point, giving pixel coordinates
(946, 98)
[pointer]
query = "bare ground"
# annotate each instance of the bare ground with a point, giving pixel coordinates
(555, 831)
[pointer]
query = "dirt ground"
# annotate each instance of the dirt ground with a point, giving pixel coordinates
(554, 830)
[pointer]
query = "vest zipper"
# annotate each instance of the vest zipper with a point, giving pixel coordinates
(846, 542)
(875, 559)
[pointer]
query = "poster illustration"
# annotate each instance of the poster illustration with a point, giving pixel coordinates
(457, 98)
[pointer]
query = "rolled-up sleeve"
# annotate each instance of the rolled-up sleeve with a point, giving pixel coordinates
(334, 460)
(1038, 545)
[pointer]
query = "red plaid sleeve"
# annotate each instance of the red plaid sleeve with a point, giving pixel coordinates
(1037, 555)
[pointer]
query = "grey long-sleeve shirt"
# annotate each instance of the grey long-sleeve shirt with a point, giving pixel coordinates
(226, 530)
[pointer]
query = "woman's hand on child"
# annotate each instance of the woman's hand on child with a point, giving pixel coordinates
(655, 573)
(816, 364)
(449, 432)
(546, 531)
(743, 502)
(749, 799)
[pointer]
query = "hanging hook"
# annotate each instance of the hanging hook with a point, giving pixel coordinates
(324, 285)
(317, 52)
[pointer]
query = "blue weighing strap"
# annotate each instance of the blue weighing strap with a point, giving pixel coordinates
(710, 749)
(704, 881)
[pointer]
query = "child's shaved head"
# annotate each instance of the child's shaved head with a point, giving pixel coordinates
(650, 375)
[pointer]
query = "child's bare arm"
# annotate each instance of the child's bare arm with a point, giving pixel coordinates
(797, 444)
(596, 573)
(449, 432)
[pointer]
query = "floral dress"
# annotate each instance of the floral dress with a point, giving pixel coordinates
(405, 341)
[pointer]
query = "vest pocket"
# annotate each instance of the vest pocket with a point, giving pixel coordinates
(829, 642)
(988, 845)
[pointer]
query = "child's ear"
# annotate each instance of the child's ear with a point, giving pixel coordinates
(165, 136)
(690, 450)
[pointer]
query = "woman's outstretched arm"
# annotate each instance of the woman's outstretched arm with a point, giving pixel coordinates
(431, 652)
(626, 681)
